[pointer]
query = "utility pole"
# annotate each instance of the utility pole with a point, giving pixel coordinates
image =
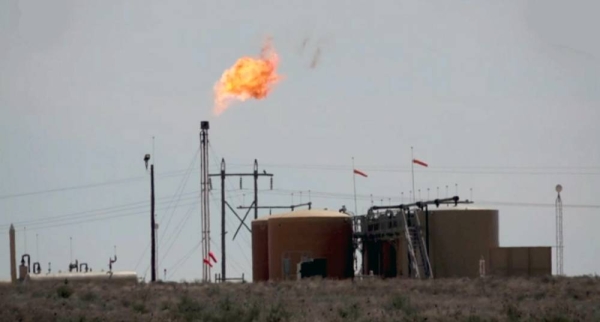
(13, 254)
(224, 204)
(152, 221)
(152, 224)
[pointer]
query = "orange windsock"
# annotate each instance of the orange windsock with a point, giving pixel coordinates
(419, 162)
(356, 171)
(248, 78)
(212, 256)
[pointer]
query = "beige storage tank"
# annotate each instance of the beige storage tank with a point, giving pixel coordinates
(459, 237)
(310, 234)
(99, 277)
(260, 249)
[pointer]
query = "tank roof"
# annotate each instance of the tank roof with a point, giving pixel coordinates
(262, 218)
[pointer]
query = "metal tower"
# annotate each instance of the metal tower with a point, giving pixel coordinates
(559, 232)
(204, 199)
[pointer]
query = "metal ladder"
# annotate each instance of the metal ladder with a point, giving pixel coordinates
(416, 246)
(411, 250)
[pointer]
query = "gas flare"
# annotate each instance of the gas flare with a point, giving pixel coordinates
(248, 78)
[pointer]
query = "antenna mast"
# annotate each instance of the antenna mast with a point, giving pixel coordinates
(559, 232)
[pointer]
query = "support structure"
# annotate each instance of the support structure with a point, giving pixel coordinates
(394, 224)
(223, 244)
(290, 207)
(204, 198)
(224, 204)
(559, 231)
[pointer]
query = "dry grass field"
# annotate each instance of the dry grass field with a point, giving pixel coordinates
(492, 299)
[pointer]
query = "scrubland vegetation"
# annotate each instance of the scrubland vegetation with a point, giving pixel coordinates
(490, 299)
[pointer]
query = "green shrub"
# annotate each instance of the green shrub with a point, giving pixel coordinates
(402, 303)
(64, 291)
(350, 313)
(139, 307)
(277, 313)
(189, 309)
(89, 296)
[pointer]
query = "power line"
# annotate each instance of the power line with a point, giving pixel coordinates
(60, 221)
(84, 214)
(183, 259)
(142, 256)
(345, 196)
(100, 211)
(169, 174)
(228, 184)
(74, 221)
(131, 209)
(178, 229)
(85, 221)
(394, 166)
(179, 191)
(235, 264)
(443, 170)
(498, 170)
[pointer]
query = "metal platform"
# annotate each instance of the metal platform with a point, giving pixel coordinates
(383, 222)
(390, 224)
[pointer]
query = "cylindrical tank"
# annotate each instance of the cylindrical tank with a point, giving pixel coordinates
(310, 234)
(260, 249)
(459, 237)
(122, 277)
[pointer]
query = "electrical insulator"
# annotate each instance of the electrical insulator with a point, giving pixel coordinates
(241, 183)
(209, 184)
(271, 183)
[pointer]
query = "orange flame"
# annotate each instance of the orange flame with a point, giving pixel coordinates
(248, 78)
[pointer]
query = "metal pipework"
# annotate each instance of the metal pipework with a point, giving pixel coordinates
(292, 207)
(111, 261)
(421, 204)
(74, 266)
(28, 262)
(37, 268)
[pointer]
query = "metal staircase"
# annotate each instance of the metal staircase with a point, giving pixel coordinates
(417, 249)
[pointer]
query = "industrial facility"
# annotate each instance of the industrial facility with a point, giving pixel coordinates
(425, 239)
(77, 272)
(455, 239)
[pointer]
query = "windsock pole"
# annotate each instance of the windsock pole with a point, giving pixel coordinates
(412, 171)
(354, 181)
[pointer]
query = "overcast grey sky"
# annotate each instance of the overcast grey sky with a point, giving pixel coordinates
(499, 96)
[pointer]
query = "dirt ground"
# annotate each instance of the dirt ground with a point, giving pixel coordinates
(490, 299)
